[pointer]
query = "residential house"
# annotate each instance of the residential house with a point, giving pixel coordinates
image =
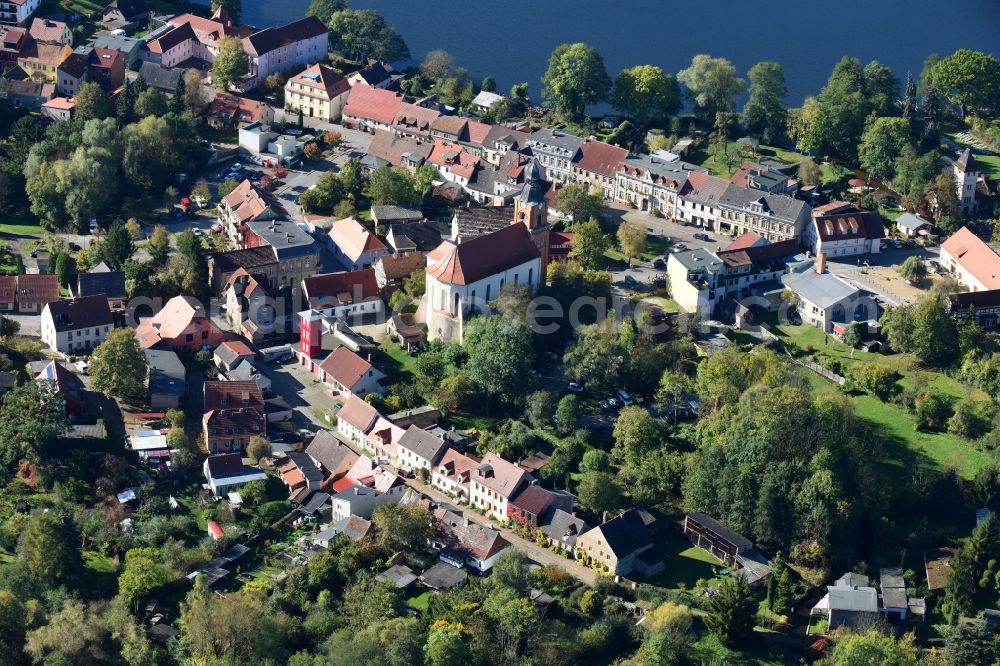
(347, 374)
(352, 527)
(226, 472)
(974, 264)
(17, 12)
(366, 473)
(621, 545)
(354, 246)
(294, 249)
(253, 261)
(301, 477)
(50, 31)
(251, 310)
(35, 290)
(502, 140)
(485, 100)
(59, 109)
(8, 292)
(383, 439)
(373, 73)
(67, 384)
(182, 325)
(966, 172)
(130, 48)
(454, 163)
(234, 414)
(462, 542)
(712, 536)
(167, 379)
(27, 94)
(598, 165)
(850, 602)
(494, 483)
(106, 67)
(534, 505)
(351, 296)
(390, 149)
(392, 269)
(229, 111)
(765, 177)
(332, 455)
(414, 120)
(246, 371)
(284, 48)
(230, 353)
(127, 15)
(563, 529)
(453, 473)
(76, 325)
(392, 215)
(463, 277)
(12, 40)
(421, 236)
(247, 203)
(162, 78)
(650, 185)
(317, 92)
(827, 301)
(362, 501)
(355, 419)
(419, 450)
(557, 151)
(983, 307)
(403, 330)
(72, 73)
(371, 108)
(189, 37)
(101, 280)
(911, 225)
(844, 234)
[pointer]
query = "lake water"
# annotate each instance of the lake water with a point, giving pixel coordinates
(512, 40)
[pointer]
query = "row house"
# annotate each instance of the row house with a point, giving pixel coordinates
(699, 200)
(844, 234)
(28, 293)
(414, 120)
(234, 414)
(41, 60)
(502, 140)
(776, 217)
(556, 151)
(288, 47)
(351, 296)
(390, 149)
(649, 185)
(346, 374)
(453, 474)
(354, 245)
(182, 325)
(356, 419)
(598, 165)
(17, 12)
(419, 450)
(295, 251)
(371, 109)
(246, 203)
(494, 483)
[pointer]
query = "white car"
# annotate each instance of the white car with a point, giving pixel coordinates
(198, 232)
(575, 388)
(81, 367)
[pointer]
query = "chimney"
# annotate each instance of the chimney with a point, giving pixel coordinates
(821, 263)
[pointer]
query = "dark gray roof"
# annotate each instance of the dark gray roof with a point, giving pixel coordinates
(307, 467)
(712, 524)
(854, 599)
(329, 451)
(564, 527)
(315, 503)
(424, 236)
(166, 372)
(422, 443)
(287, 238)
(783, 208)
(626, 533)
(443, 576)
(852, 579)
(395, 213)
(158, 76)
(563, 140)
(698, 259)
(399, 575)
(474, 222)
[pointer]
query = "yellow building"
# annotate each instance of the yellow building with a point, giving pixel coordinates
(318, 92)
(41, 60)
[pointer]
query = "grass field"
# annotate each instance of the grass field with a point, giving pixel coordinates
(686, 564)
(19, 224)
(420, 602)
(940, 450)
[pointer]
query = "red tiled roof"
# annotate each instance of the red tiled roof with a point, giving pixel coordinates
(975, 256)
(850, 225)
(232, 395)
(483, 256)
(239, 348)
(354, 239)
(344, 366)
(373, 104)
(601, 158)
(8, 287)
(37, 288)
(357, 413)
(477, 131)
(506, 477)
(742, 242)
(415, 118)
(224, 464)
(330, 82)
(454, 156)
(331, 289)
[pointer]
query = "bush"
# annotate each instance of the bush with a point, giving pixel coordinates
(933, 409)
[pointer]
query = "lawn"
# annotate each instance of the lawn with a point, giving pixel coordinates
(20, 224)
(399, 365)
(990, 165)
(939, 449)
(686, 564)
(420, 602)
(755, 652)
(101, 579)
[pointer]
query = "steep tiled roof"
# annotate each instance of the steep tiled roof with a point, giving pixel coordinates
(415, 118)
(232, 395)
(453, 125)
(474, 540)
(8, 288)
(354, 239)
(778, 205)
(344, 366)
(626, 533)
(975, 256)
(398, 266)
(373, 104)
(331, 289)
(534, 500)
(483, 256)
(224, 464)
(37, 288)
(170, 322)
(269, 39)
(335, 456)
(601, 158)
(391, 148)
(249, 202)
(843, 226)
(500, 475)
(966, 162)
(321, 77)
(47, 30)
(70, 314)
(422, 443)
(358, 413)
(705, 188)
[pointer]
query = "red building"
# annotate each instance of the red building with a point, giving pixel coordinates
(66, 383)
(182, 325)
(534, 504)
(107, 68)
(234, 414)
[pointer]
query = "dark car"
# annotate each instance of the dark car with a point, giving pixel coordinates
(659, 264)
(702, 237)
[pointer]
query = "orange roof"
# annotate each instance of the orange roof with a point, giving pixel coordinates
(483, 256)
(344, 366)
(170, 322)
(506, 477)
(749, 239)
(601, 158)
(453, 155)
(331, 289)
(478, 131)
(238, 348)
(249, 202)
(418, 118)
(975, 256)
(63, 103)
(357, 413)
(354, 239)
(373, 104)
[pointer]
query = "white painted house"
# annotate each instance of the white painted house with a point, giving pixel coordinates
(76, 325)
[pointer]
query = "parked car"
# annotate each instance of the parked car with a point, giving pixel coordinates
(625, 398)
(631, 282)
(702, 237)
(574, 387)
(659, 264)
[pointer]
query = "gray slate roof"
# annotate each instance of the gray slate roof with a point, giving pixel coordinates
(697, 259)
(423, 444)
(824, 290)
(855, 599)
(626, 533)
(166, 372)
(779, 206)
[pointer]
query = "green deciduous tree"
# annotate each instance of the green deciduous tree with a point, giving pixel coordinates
(447, 645)
(231, 63)
(49, 550)
(711, 84)
(577, 201)
(392, 186)
(143, 573)
(969, 79)
(600, 491)
(363, 33)
(636, 434)
(632, 239)
(151, 102)
(589, 243)
(881, 145)
(91, 102)
(325, 9)
(764, 113)
(500, 355)
(913, 269)
(73, 635)
(401, 527)
(118, 367)
(575, 78)
(568, 413)
(875, 378)
(32, 417)
(646, 93)
(874, 647)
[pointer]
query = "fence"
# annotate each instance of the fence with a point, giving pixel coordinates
(829, 375)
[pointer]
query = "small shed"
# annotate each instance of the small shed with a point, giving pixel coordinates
(399, 575)
(443, 576)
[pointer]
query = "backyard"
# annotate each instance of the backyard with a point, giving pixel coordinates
(686, 565)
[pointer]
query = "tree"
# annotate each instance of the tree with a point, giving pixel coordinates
(232, 7)
(74, 635)
(914, 172)
(325, 9)
(447, 646)
(236, 628)
(575, 78)
(227, 186)
(539, 408)
(972, 645)
(947, 206)
(118, 367)
(401, 527)
(881, 145)
(143, 573)
(12, 626)
(49, 551)
(325, 195)
(393, 186)
(258, 448)
(151, 103)
(670, 634)
(117, 246)
(969, 79)
(231, 64)
(363, 33)
(599, 492)
(32, 417)
(158, 246)
(910, 100)
(764, 113)
(837, 121)
(64, 269)
(511, 570)
(632, 239)
(194, 92)
(912, 269)
(589, 243)
(91, 102)
(881, 89)
(711, 84)
(732, 611)
(646, 93)
(874, 647)
(500, 355)
(932, 409)
(579, 203)
(437, 66)
(568, 413)
(636, 434)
